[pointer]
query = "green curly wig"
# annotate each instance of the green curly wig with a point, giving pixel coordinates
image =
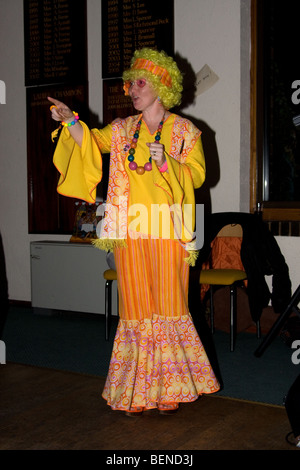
(169, 94)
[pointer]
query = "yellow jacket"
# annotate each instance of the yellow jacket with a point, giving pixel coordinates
(129, 194)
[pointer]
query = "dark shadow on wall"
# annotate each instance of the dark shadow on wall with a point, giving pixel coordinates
(208, 135)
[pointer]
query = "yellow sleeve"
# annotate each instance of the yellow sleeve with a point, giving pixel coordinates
(80, 168)
(182, 178)
(195, 162)
(103, 138)
(179, 184)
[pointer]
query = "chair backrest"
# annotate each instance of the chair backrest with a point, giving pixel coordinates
(226, 248)
(225, 251)
(231, 230)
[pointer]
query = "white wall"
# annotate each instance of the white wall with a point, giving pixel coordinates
(206, 32)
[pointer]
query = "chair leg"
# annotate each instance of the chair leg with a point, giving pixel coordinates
(108, 285)
(232, 316)
(212, 326)
(258, 330)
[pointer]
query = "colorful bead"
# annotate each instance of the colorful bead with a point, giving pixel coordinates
(140, 170)
(69, 124)
(132, 164)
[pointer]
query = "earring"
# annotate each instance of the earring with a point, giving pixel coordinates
(159, 100)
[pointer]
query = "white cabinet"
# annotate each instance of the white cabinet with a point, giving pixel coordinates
(69, 276)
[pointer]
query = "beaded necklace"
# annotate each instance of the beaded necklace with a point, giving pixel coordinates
(132, 164)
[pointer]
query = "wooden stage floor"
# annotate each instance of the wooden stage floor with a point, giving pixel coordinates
(44, 409)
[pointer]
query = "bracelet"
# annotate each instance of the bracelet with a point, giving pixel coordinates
(68, 124)
(164, 168)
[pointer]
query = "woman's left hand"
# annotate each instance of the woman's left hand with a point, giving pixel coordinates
(157, 153)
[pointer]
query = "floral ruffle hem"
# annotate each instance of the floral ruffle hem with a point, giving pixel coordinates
(156, 362)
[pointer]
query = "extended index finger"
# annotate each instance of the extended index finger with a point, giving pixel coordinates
(54, 101)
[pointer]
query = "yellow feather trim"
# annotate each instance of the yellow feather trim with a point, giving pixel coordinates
(192, 258)
(54, 134)
(108, 244)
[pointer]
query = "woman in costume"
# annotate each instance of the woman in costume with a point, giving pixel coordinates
(156, 162)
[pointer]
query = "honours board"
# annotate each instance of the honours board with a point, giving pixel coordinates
(55, 41)
(128, 25)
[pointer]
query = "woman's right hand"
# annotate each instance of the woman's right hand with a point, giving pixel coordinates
(60, 111)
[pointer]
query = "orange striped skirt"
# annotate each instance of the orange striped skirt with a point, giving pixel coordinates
(158, 357)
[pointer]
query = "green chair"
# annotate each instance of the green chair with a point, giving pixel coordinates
(226, 277)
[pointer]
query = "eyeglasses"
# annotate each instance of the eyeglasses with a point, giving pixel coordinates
(140, 82)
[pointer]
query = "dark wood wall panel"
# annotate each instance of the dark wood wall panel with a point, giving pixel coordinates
(55, 49)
